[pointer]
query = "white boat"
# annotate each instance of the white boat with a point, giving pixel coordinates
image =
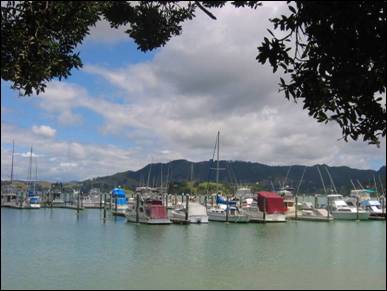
(219, 213)
(374, 208)
(269, 207)
(197, 213)
(342, 211)
(150, 211)
(91, 201)
(34, 202)
(366, 202)
(308, 212)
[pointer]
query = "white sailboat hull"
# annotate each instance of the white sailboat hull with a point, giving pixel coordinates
(341, 215)
(231, 218)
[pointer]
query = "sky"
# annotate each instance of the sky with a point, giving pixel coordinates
(125, 109)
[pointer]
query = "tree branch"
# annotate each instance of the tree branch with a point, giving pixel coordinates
(205, 10)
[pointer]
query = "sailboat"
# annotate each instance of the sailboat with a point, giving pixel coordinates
(191, 211)
(147, 207)
(9, 197)
(224, 210)
(33, 200)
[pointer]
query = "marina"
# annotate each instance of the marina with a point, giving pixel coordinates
(193, 145)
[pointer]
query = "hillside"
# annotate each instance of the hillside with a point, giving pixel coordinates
(240, 172)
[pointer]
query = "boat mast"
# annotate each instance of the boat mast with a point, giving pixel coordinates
(381, 185)
(161, 177)
(36, 174)
(353, 185)
(322, 180)
(13, 152)
(217, 165)
(361, 186)
(376, 186)
(302, 177)
(150, 169)
(286, 177)
(30, 171)
(330, 178)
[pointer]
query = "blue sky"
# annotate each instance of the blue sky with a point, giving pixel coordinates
(126, 108)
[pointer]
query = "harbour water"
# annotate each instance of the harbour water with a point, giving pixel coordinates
(56, 249)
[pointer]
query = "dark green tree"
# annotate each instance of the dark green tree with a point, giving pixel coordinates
(332, 55)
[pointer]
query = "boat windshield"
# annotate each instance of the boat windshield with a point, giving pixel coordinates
(335, 197)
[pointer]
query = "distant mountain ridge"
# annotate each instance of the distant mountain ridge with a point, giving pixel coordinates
(242, 172)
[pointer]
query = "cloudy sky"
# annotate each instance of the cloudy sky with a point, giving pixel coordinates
(125, 108)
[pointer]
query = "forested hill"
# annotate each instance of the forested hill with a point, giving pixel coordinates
(240, 172)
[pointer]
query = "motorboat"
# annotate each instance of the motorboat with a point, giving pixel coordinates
(197, 213)
(342, 211)
(309, 212)
(227, 213)
(147, 210)
(120, 202)
(269, 207)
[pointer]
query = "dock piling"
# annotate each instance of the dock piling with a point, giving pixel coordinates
(357, 208)
(104, 207)
(227, 209)
(295, 207)
(78, 202)
(186, 207)
(137, 206)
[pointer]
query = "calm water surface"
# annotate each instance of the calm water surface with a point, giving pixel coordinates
(55, 249)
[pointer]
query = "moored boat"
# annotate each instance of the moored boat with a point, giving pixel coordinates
(150, 211)
(342, 211)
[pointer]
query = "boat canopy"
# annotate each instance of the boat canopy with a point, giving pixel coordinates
(122, 201)
(274, 202)
(221, 200)
(118, 192)
(34, 199)
(370, 203)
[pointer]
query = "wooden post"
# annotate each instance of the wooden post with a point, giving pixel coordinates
(212, 200)
(357, 208)
(175, 201)
(328, 208)
(104, 207)
(78, 201)
(137, 207)
(382, 198)
(295, 207)
(166, 200)
(205, 201)
(186, 207)
(111, 198)
(100, 200)
(115, 205)
(315, 201)
(264, 209)
(227, 209)
(182, 198)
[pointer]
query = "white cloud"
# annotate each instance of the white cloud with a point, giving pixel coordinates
(44, 130)
(103, 33)
(203, 80)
